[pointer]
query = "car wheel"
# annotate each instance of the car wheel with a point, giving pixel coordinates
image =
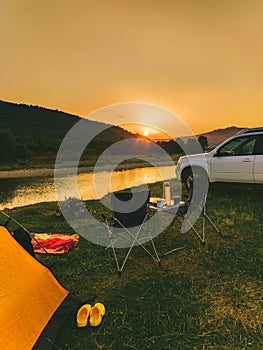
(188, 179)
(195, 175)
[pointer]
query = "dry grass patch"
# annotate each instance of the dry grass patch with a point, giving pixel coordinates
(237, 301)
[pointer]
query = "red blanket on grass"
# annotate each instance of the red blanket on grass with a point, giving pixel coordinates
(56, 243)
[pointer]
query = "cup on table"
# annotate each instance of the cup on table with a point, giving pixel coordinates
(176, 200)
(160, 204)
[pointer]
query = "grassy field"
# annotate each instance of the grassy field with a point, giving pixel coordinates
(203, 297)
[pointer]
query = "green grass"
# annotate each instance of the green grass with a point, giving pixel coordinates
(203, 297)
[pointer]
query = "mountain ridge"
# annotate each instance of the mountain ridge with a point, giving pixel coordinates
(41, 124)
(35, 133)
(217, 136)
(9, 119)
(38, 120)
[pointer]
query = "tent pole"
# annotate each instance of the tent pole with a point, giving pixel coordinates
(25, 229)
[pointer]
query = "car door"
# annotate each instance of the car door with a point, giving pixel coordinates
(258, 163)
(234, 161)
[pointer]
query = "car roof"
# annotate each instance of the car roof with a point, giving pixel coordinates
(250, 130)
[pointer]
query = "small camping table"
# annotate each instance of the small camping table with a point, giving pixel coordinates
(175, 210)
(172, 210)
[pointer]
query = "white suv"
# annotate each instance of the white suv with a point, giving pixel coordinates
(238, 159)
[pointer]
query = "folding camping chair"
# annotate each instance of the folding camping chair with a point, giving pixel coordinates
(200, 207)
(128, 226)
(188, 213)
(196, 209)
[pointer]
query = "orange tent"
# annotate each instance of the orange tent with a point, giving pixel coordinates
(29, 296)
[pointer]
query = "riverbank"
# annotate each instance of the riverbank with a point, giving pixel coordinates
(10, 174)
(36, 172)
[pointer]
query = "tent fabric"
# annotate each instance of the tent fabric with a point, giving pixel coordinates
(68, 307)
(56, 243)
(29, 295)
(24, 239)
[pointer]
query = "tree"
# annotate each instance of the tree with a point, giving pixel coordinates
(171, 146)
(203, 142)
(7, 146)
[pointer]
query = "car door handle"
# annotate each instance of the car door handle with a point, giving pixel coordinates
(246, 160)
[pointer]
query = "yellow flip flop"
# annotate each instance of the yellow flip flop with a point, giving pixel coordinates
(96, 313)
(83, 315)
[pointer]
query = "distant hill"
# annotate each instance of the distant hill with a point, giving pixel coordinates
(33, 132)
(32, 135)
(22, 119)
(217, 136)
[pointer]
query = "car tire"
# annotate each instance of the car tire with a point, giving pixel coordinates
(195, 175)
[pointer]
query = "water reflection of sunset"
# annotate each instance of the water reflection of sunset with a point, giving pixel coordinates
(26, 191)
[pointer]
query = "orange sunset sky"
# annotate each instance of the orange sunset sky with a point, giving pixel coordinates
(199, 59)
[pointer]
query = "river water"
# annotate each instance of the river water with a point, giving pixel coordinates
(17, 192)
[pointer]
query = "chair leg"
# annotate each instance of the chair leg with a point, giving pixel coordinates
(204, 217)
(127, 255)
(202, 236)
(177, 248)
(115, 258)
(155, 251)
(135, 239)
(212, 224)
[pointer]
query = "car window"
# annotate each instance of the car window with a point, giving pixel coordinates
(259, 145)
(239, 146)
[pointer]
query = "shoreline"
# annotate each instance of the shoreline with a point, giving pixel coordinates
(11, 174)
(38, 172)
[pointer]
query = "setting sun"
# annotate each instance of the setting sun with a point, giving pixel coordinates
(154, 133)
